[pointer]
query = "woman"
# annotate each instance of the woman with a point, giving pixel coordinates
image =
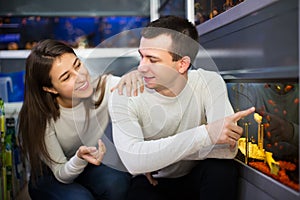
(63, 117)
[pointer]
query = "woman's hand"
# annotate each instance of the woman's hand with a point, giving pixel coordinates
(132, 81)
(92, 154)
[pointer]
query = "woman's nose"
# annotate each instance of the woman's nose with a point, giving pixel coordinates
(79, 75)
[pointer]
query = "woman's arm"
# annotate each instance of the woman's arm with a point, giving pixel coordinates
(66, 170)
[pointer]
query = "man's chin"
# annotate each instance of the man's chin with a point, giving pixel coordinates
(149, 86)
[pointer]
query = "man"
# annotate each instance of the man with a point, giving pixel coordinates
(182, 128)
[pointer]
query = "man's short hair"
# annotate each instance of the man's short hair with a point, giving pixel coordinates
(183, 33)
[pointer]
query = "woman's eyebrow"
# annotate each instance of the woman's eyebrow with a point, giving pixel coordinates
(75, 61)
(67, 71)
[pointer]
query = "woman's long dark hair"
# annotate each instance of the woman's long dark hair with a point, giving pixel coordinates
(40, 107)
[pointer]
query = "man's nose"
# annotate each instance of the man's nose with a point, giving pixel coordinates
(143, 66)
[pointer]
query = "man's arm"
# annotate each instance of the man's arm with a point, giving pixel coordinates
(141, 156)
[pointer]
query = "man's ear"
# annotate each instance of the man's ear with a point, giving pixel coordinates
(50, 90)
(184, 64)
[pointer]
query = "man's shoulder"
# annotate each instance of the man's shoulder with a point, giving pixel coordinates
(202, 74)
(117, 98)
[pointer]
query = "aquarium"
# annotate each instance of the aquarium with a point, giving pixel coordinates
(270, 142)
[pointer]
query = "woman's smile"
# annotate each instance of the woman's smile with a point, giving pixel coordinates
(84, 86)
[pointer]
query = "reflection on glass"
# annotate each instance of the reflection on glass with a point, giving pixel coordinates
(272, 142)
(78, 32)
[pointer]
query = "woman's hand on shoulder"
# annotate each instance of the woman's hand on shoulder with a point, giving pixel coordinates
(132, 81)
(92, 154)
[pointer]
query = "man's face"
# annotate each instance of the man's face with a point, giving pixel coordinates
(156, 66)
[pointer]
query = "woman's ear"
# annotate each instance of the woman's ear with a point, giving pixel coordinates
(50, 90)
(184, 64)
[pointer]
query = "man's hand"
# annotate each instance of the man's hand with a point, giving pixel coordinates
(226, 131)
(132, 81)
(151, 179)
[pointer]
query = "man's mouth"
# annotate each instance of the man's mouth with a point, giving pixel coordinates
(147, 79)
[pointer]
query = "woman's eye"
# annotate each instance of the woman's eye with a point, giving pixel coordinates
(78, 66)
(66, 78)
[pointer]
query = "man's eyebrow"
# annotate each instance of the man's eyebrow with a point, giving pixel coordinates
(140, 52)
(148, 56)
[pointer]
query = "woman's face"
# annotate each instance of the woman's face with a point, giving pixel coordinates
(70, 80)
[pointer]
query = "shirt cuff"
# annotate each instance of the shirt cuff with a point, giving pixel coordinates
(78, 161)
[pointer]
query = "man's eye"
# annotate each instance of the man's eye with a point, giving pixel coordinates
(153, 61)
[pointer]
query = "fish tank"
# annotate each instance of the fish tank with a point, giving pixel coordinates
(270, 142)
(255, 48)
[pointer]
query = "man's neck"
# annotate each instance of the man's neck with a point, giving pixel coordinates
(176, 88)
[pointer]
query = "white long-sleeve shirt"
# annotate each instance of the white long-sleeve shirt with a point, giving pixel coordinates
(153, 132)
(68, 133)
